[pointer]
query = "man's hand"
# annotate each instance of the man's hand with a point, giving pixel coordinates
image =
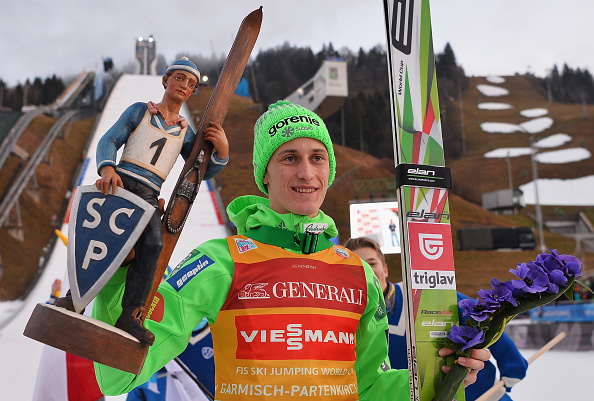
(475, 363)
(109, 180)
(215, 134)
(56, 287)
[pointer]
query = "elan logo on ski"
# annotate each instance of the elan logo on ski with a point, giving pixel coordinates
(402, 25)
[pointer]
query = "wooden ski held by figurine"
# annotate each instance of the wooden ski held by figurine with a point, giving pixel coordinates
(190, 178)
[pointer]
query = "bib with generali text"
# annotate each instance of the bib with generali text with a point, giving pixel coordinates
(287, 330)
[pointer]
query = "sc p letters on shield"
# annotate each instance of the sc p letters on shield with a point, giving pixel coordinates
(95, 222)
(102, 231)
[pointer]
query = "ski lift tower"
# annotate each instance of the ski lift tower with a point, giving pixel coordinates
(146, 56)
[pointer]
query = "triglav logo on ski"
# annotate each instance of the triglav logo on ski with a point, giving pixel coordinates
(431, 245)
(433, 280)
(431, 256)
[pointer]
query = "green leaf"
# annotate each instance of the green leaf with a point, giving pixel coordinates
(569, 293)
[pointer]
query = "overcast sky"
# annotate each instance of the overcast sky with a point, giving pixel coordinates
(39, 38)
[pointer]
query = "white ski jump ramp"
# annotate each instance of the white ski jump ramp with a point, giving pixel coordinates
(19, 355)
(326, 92)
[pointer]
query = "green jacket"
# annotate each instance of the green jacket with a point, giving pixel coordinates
(188, 298)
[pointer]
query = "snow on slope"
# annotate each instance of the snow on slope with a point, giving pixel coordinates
(563, 156)
(500, 128)
(493, 91)
(494, 106)
(537, 125)
(507, 152)
(495, 80)
(532, 113)
(552, 141)
(557, 192)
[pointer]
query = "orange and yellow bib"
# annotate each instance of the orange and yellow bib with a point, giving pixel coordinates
(287, 330)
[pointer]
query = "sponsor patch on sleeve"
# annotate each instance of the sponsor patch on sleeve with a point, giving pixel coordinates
(343, 253)
(376, 283)
(157, 308)
(244, 245)
(195, 252)
(183, 275)
(381, 306)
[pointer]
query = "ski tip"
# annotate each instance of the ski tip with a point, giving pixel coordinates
(256, 14)
(253, 19)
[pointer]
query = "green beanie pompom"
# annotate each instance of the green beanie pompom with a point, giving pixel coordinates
(282, 122)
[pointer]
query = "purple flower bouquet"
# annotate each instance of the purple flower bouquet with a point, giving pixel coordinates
(538, 283)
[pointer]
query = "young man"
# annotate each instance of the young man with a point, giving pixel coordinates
(291, 314)
(511, 363)
(153, 136)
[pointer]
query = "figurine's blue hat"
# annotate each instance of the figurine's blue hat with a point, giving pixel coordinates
(185, 64)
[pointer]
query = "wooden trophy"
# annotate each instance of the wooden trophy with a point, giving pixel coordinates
(97, 229)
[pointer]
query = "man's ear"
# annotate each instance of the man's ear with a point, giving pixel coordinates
(164, 81)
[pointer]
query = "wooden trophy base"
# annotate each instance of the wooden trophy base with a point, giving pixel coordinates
(86, 337)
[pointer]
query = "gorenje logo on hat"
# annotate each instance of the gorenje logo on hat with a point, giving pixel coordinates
(292, 120)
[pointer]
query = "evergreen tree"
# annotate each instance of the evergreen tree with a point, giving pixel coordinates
(445, 63)
(36, 92)
(52, 89)
(570, 86)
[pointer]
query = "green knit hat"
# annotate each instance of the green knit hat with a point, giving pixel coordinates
(282, 122)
